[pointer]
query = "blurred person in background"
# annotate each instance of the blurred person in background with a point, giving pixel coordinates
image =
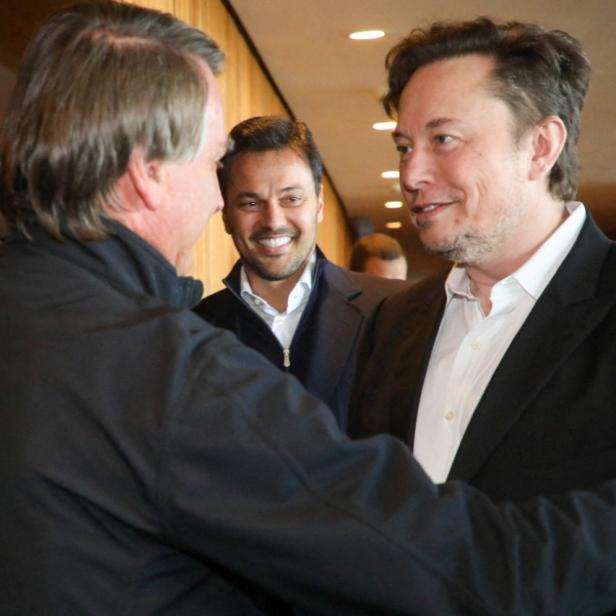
(379, 254)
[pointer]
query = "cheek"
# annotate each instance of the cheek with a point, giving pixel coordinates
(208, 190)
(301, 222)
(238, 225)
(472, 178)
(305, 218)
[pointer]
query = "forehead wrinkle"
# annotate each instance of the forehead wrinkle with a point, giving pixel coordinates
(438, 122)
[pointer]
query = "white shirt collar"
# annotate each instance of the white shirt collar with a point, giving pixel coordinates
(534, 275)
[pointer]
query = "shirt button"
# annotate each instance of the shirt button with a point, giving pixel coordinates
(450, 415)
(475, 345)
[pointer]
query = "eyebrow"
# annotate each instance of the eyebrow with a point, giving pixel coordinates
(436, 123)
(439, 122)
(254, 195)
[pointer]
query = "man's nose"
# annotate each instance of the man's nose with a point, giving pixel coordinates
(416, 170)
(273, 215)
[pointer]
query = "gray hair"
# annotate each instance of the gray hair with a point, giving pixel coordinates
(98, 80)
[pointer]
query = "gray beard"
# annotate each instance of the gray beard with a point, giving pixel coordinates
(465, 248)
(471, 247)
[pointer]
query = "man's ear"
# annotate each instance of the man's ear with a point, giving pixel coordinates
(225, 220)
(148, 179)
(548, 140)
(320, 204)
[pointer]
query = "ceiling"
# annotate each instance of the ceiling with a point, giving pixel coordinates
(334, 85)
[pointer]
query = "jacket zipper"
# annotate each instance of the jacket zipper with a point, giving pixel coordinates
(286, 353)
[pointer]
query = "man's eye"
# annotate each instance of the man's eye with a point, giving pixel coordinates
(404, 149)
(293, 199)
(248, 205)
(443, 139)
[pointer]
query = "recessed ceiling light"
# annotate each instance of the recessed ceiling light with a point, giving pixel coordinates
(366, 35)
(393, 205)
(391, 175)
(390, 125)
(393, 225)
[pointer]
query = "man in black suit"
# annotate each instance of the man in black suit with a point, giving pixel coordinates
(152, 464)
(283, 298)
(502, 374)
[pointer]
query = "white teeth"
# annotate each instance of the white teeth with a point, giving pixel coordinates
(429, 208)
(275, 242)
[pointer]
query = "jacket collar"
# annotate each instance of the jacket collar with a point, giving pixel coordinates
(125, 260)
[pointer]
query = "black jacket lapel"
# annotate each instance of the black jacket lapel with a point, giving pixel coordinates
(572, 305)
(334, 327)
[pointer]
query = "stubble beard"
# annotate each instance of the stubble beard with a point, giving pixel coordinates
(273, 268)
(269, 271)
(471, 246)
(466, 247)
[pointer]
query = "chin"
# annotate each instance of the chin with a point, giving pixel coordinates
(451, 248)
(279, 274)
(447, 253)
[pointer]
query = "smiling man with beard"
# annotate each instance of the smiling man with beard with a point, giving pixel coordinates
(502, 373)
(284, 298)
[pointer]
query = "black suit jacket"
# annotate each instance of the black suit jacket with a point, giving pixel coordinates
(547, 419)
(324, 347)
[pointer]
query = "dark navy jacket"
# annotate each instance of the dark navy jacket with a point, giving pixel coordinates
(151, 464)
(324, 348)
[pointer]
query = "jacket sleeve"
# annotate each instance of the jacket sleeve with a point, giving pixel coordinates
(258, 480)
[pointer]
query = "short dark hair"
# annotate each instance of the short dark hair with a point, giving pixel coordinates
(377, 245)
(265, 133)
(98, 80)
(538, 73)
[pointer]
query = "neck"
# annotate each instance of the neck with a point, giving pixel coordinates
(507, 259)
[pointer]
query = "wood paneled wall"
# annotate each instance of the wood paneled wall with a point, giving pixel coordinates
(246, 92)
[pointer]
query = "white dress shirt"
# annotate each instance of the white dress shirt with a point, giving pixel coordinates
(470, 345)
(282, 324)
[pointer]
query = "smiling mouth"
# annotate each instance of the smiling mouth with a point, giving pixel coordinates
(428, 208)
(274, 242)
(420, 209)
